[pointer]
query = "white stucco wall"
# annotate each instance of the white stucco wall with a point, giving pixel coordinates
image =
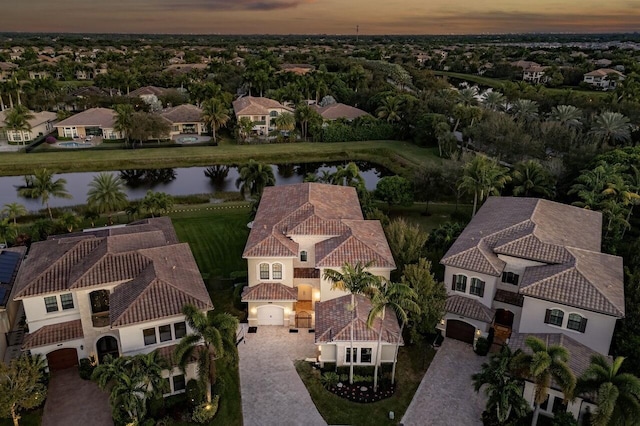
(578, 407)
(489, 284)
(75, 344)
(597, 335)
(517, 266)
(38, 317)
(336, 352)
(132, 339)
(253, 308)
(253, 270)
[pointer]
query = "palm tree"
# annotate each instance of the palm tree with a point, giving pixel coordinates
(504, 392)
(245, 125)
(254, 177)
(355, 280)
(215, 114)
(482, 177)
(14, 210)
(524, 110)
(69, 220)
(617, 394)
(42, 185)
(530, 178)
(123, 122)
(285, 122)
(390, 109)
(106, 193)
(216, 333)
(542, 365)
(611, 127)
(398, 297)
(347, 176)
(7, 231)
(495, 101)
(17, 120)
(303, 115)
(156, 202)
(567, 115)
(467, 96)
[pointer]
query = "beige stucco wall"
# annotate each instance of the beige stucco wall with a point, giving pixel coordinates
(254, 306)
(489, 284)
(253, 270)
(38, 317)
(132, 339)
(597, 335)
(75, 344)
(337, 351)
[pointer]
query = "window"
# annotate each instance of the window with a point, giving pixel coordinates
(477, 287)
(545, 404)
(554, 317)
(179, 330)
(178, 383)
(149, 336)
(167, 385)
(273, 113)
(51, 303)
(276, 271)
(347, 357)
(303, 256)
(558, 405)
(365, 355)
(264, 271)
(577, 322)
(459, 283)
(510, 278)
(67, 301)
(165, 332)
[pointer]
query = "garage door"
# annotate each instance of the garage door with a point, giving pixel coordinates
(270, 315)
(460, 330)
(61, 359)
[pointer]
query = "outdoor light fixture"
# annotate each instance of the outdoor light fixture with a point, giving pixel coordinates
(287, 311)
(254, 310)
(316, 295)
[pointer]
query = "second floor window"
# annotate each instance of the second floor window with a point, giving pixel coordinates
(510, 278)
(459, 283)
(276, 271)
(270, 271)
(149, 336)
(303, 256)
(165, 333)
(477, 287)
(51, 303)
(179, 329)
(67, 301)
(577, 322)
(264, 271)
(554, 317)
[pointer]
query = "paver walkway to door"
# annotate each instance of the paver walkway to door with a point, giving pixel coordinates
(272, 391)
(73, 401)
(445, 396)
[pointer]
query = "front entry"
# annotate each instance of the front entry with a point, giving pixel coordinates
(270, 315)
(460, 330)
(303, 320)
(62, 359)
(107, 345)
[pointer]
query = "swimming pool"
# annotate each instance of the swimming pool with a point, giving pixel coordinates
(74, 145)
(190, 139)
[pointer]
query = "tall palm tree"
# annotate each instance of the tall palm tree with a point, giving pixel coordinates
(285, 122)
(390, 109)
(493, 100)
(7, 231)
(123, 122)
(504, 392)
(245, 125)
(542, 365)
(617, 394)
(156, 202)
(14, 211)
(347, 176)
(530, 178)
(304, 114)
(524, 110)
(611, 127)
(398, 297)
(355, 280)
(483, 176)
(567, 115)
(591, 185)
(106, 193)
(254, 177)
(467, 96)
(215, 114)
(216, 333)
(17, 120)
(42, 185)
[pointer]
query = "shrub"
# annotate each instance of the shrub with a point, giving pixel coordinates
(86, 368)
(329, 379)
(482, 346)
(51, 140)
(564, 419)
(344, 378)
(194, 392)
(362, 379)
(206, 411)
(156, 408)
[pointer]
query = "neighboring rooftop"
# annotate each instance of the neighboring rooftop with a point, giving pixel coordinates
(148, 90)
(93, 117)
(249, 105)
(338, 110)
(185, 113)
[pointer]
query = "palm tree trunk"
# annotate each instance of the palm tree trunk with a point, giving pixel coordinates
(378, 353)
(395, 356)
(353, 301)
(475, 202)
(213, 130)
(49, 210)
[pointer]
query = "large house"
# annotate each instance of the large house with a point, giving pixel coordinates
(98, 122)
(185, 119)
(298, 233)
(6, 70)
(41, 124)
(261, 111)
(604, 78)
(116, 291)
(337, 111)
(526, 266)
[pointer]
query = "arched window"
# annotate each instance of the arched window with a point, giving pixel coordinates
(273, 114)
(264, 271)
(477, 287)
(459, 283)
(276, 271)
(554, 317)
(303, 256)
(577, 322)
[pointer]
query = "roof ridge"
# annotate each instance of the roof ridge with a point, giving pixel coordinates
(345, 237)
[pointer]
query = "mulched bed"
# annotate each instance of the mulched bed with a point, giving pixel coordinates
(356, 393)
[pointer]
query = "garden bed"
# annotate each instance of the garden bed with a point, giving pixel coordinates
(362, 393)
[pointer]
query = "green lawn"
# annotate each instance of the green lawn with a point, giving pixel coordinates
(401, 157)
(436, 215)
(413, 362)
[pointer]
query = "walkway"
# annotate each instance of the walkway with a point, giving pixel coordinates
(272, 391)
(73, 401)
(445, 395)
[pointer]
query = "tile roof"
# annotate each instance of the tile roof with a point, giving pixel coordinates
(249, 105)
(469, 308)
(338, 110)
(53, 334)
(185, 113)
(364, 242)
(509, 297)
(269, 291)
(148, 90)
(168, 353)
(334, 318)
(98, 117)
(602, 72)
(306, 273)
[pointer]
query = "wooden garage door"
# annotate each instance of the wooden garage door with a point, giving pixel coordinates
(61, 359)
(460, 330)
(270, 315)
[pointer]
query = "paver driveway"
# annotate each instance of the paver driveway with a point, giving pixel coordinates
(73, 401)
(445, 396)
(272, 391)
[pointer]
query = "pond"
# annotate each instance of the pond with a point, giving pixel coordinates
(178, 181)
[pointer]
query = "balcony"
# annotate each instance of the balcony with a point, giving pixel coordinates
(306, 273)
(100, 319)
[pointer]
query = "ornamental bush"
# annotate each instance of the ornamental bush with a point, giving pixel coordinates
(206, 411)
(329, 379)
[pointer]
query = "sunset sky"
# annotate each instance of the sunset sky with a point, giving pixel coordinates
(320, 16)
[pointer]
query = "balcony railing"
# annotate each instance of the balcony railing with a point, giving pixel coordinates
(101, 319)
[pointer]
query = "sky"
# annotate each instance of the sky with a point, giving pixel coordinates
(320, 16)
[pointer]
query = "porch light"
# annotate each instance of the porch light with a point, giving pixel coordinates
(478, 332)
(316, 295)
(442, 321)
(254, 310)
(287, 311)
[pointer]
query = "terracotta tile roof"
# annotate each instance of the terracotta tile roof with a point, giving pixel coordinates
(168, 353)
(602, 72)
(93, 117)
(269, 291)
(334, 319)
(579, 354)
(53, 334)
(7, 66)
(338, 110)
(510, 297)
(469, 308)
(148, 90)
(306, 273)
(249, 105)
(185, 113)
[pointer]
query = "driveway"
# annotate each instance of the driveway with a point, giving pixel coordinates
(73, 401)
(445, 395)
(272, 391)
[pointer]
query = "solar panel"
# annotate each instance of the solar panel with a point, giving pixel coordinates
(8, 263)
